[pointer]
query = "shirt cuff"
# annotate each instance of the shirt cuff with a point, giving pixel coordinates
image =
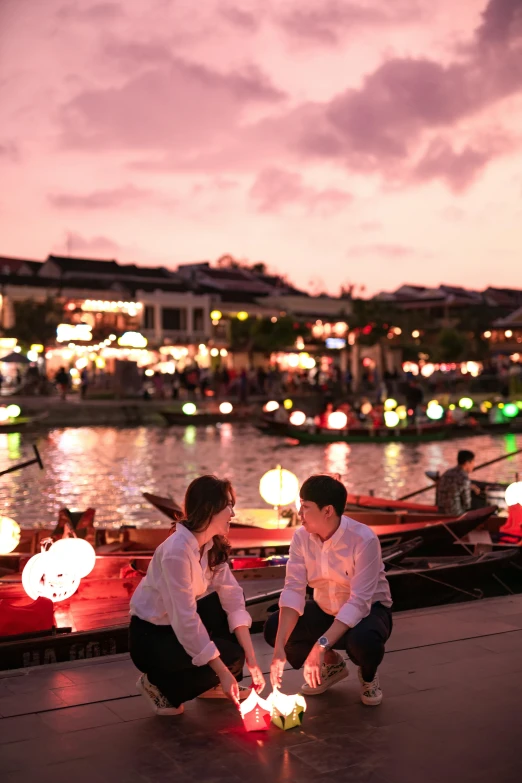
(208, 653)
(237, 618)
(350, 615)
(291, 600)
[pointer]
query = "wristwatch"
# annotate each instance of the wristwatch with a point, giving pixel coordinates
(323, 643)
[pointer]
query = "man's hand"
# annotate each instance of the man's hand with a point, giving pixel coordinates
(230, 686)
(475, 489)
(313, 666)
(258, 681)
(276, 668)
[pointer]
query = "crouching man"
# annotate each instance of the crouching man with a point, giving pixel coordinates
(351, 608)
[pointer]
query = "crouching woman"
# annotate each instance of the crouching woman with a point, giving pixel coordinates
(189, 628)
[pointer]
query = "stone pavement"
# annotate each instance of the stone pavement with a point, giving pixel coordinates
(452, 680)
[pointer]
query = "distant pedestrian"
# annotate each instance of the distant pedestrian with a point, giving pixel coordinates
(61, 380)
(84, 383)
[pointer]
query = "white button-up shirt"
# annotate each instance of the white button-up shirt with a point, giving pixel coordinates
(176, 578)
(346, 572)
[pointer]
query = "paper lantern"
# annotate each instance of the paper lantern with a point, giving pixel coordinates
(3, 414)
(226, 407)
(271, 406)
(337, 420)
(510, 410)
(514, 494)
(288, 404)
(390, 404)
(435, 412)
(189, 409)
(401, 412)
(13, 411)
(9, 535)
(242, 315)
(216, 315)
(77, 553)
(297, 418)
(279, 487)
(47, 577)
(391, 419)
(366, 408)
(256, 712)
(287, 711)
(466, 403)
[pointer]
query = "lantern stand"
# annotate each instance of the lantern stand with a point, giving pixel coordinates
(37, 459)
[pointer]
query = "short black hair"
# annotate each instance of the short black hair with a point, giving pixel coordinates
(325, 491)
(464, 456)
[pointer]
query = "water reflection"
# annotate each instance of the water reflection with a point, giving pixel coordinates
(108, 468)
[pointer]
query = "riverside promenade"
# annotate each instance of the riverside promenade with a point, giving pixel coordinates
(452, 682)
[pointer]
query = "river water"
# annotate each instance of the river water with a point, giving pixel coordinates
(108, 467)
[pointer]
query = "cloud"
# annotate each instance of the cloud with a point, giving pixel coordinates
(76, 243)
(100, 199)
(238, 17)
(275, 189)
(10, 151)
(99, 12)
(501, 22)
(392, 251)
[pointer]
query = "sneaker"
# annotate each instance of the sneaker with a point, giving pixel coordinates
(371, 693)
(159, 703)
(218, 693)
(330, 674)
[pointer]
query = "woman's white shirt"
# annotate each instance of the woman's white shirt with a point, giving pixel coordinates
(176, 578)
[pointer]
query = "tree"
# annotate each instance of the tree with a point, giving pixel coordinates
(260, 334)
(36, 322)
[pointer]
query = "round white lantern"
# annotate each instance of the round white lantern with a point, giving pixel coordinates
(45, 576)
(514, 494)
(391, 419)
(9, 535)
(226, 407)
(271, 406)
(337, 420)
(297, 418)
(279, 487)
(76, 553)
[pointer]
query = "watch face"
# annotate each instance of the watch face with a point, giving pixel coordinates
(323, 641)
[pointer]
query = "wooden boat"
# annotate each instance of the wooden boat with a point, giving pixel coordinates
(23, 422)
(203, 418)
(407, 434)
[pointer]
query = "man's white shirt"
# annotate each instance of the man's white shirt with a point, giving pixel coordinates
(346, 572)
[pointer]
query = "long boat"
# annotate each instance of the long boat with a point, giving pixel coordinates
(203, 418)
(23, 422)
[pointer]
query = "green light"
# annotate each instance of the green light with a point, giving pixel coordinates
(435, 412)
(466, 403)
(510, 410)
(13, 411)
(189, 409)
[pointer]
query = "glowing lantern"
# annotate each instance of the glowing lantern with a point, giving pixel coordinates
(76, 552)
(37, 348)
(226, 407)
(216, 315)
(401, 412)
(271, 406)
(466, 403)
(279, 487)
(255, 712)
(297, 418)
(45, 576)
(13, 411)
(427, 370)
(510, 410)
(9, 535)
(288, 404)
(3, 414)
(189, 409)
(435, 412)
(390, 404)
(337, 420)
(391, 419)
(514, 494)
(366, 408)
(432, 402)
(214, 352)
(242, 316)
(287, 711)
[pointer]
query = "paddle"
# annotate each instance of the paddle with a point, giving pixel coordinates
(37, 459)
(479, 467)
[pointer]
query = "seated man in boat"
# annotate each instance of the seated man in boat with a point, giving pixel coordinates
(454, 486)
(351, 608)
(189, 629)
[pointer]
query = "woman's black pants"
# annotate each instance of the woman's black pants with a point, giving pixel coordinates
(156, 651)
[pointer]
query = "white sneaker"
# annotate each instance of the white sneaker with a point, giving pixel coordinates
(159, 703)
(330, 674)
(218, 693)
(371, 693)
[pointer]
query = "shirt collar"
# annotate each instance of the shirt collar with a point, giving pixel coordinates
(191, 539)
(336, 536)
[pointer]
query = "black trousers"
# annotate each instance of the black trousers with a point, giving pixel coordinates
(364, 643)
(156, 651)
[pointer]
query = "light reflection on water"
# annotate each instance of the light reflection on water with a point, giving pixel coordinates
(108, 468)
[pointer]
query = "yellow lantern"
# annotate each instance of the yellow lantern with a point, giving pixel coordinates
(216, 315)
(390, 404)
(77, 553)
(337, 420)
(44, 576)
(13, 411)
(226, 407)
(288, 404)
(242, 316)
(9, 535)
(297, 418)
(466, 403)
(279, 487)
(287, 711)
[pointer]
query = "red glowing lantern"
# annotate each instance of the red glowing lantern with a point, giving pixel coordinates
(256, 712)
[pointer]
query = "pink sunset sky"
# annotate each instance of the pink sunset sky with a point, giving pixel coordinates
(364, 142)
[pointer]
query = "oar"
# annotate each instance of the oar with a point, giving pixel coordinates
(479, 467)
(37, 459)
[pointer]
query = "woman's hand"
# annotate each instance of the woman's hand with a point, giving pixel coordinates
(258, 681)
(313, 665)
(276, 668)
(230, 686)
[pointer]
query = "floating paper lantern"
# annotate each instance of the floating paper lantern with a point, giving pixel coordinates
(435, 412)
(466, 403)
(287, 711)
(256, 712)
(297, 418)
(48, 577)
(337, 420)
(9, 535)
(271, 406)
(279, 487)
(189, 409)
(226, 407)
(401, 412)
(391, 419)
(77, 553)
(13, 411)
(514, 493)
(390, 404)
(510, 410)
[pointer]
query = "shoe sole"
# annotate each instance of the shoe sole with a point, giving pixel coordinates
(371, 702)
(306, 691)
(163, 711)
